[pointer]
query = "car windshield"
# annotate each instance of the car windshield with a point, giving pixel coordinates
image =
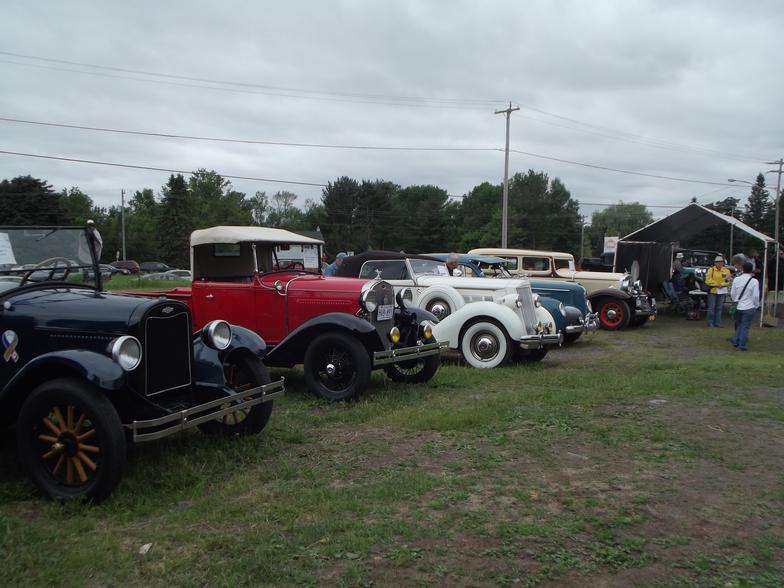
(40, 254)
(426, 267)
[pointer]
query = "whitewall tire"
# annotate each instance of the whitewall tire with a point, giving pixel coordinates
(485, 344)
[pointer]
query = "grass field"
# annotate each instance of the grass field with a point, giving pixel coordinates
(652, 457)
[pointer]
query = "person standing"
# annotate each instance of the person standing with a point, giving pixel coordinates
(452, 261)
(717, 278)
(333, 267)
(745, 294)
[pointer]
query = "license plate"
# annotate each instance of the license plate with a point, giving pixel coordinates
(385, 311)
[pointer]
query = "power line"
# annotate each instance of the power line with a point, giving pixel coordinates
(162, 169)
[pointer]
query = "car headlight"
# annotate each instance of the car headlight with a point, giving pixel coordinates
(394, 335)
(425, 330)
(217, 334)
(127, 352)
(588, 304)
(562, 308)
(638, 285)
(537, 302)
(405, 298)
(625, 283)
(367, 299)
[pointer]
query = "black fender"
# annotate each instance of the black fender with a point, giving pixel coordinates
(291, 350)
(100, 370)
(208, 362)
(408, 320)
(574, 315)
(609, 293)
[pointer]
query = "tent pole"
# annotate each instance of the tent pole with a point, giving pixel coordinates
(762, 285)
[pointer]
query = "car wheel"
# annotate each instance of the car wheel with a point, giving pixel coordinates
(440, 308)
(571, 337)
(242, 373)
(485, 344)
(337, 366)
(71, 441)
(414, 371)
(613, 314)
(530, 355)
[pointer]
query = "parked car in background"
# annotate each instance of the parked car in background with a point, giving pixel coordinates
(126, 264)
(339, 329)
(180, 273)
(579, 317)
(488, 321)
(149, 267)
(86, 371)
(165, 277)
(107, 271)
(619, 299)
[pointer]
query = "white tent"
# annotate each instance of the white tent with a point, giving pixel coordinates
(693, 219)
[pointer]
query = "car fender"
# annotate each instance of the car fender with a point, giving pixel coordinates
(609, 292)
(100, 370)
(208, 362)
(441, 292)
(450, 328)
(553, 307)
(291, 350)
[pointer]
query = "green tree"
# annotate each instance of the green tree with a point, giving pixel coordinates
(174, 223)
(479, 218)
(375, 217)
(617, 220)
(141, 226)
(26, 200)
(77, 205)
(215, 202)
(422, 227)
(283, 211)
(339, 199)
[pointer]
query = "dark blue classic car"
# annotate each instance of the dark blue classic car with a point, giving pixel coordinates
(577, 318)
(85, 372)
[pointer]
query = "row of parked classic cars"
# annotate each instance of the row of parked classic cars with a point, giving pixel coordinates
(86, 372)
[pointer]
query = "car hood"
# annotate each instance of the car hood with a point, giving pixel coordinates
(294, 282)
(79, 309)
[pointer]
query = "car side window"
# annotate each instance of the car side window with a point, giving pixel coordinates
(512, 265)
(536, 264)
(390, 269)
(562, 263)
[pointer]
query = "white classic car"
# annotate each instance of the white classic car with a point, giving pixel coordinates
(488, 321)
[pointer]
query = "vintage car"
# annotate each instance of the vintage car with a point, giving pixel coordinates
(503, 320)
(619, 299)
(338, 328)
(578, 317)
(84, 371)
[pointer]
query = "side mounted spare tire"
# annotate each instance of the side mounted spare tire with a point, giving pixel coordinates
(440, 300)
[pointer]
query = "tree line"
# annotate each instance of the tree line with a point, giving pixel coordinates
(353, 215)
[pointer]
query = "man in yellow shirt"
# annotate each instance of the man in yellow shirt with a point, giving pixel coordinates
(718, 279)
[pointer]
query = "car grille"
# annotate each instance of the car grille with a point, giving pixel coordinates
(384, 296)
(167, 348)
(527, 307)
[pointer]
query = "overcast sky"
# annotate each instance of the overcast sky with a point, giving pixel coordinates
(688, 89)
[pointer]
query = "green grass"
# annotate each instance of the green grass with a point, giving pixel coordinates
(140, 282)
(563, 471)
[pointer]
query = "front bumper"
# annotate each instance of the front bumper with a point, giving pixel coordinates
(589, 324)
(152, 429)
(400, 354)
(540, 340)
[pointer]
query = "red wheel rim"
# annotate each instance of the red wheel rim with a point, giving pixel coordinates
(613, 314)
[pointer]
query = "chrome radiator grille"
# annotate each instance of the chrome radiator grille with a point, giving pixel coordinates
(167, 349)
(527, 307)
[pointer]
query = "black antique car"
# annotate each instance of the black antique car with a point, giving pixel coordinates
(85, 372)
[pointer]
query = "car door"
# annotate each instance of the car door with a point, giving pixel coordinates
(230, 301)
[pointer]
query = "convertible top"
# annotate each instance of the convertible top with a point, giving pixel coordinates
(230, 234)
(352, 265)
(468, 258)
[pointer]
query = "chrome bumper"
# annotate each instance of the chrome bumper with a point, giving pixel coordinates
(589, 324)
(164, 426)
(539, 341)
(406, 353)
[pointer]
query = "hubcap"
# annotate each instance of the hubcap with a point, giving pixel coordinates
(611, 314)
(439, 309)
(484, 346)
(331, 369)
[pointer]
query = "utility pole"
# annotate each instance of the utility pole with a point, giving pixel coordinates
(505, 207)
(732, 227)
(122, 219)
(582, 235)
(776, 232)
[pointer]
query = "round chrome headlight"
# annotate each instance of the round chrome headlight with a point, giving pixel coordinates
(562, 308)
(367, 299)
(588, 304)
(405, 298)
(217, 334)
(127, 352)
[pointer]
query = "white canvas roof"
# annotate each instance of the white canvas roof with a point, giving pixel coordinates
(689, 221)
(228, 234)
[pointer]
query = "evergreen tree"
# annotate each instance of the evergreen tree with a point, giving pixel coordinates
(617, 220)
(175, 223)
(340, 199)
(26, 200)
(480, 218)
(757, 211)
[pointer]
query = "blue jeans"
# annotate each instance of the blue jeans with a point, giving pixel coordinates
(743, 320)
(715, 304)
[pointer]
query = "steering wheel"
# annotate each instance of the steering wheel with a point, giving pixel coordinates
(44, 265)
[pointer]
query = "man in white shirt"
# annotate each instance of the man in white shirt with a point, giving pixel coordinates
(746, 295)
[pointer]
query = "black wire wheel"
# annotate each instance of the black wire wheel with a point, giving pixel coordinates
(337, 366)
(414, 371)
(71, 441)
(242, 372)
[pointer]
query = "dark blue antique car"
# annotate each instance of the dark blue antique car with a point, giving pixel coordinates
(578, 316)
(85, 372)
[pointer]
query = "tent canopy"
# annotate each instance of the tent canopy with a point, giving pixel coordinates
(687, 222)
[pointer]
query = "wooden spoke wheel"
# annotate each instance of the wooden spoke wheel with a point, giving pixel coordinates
(242, 372)
(71, 441)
